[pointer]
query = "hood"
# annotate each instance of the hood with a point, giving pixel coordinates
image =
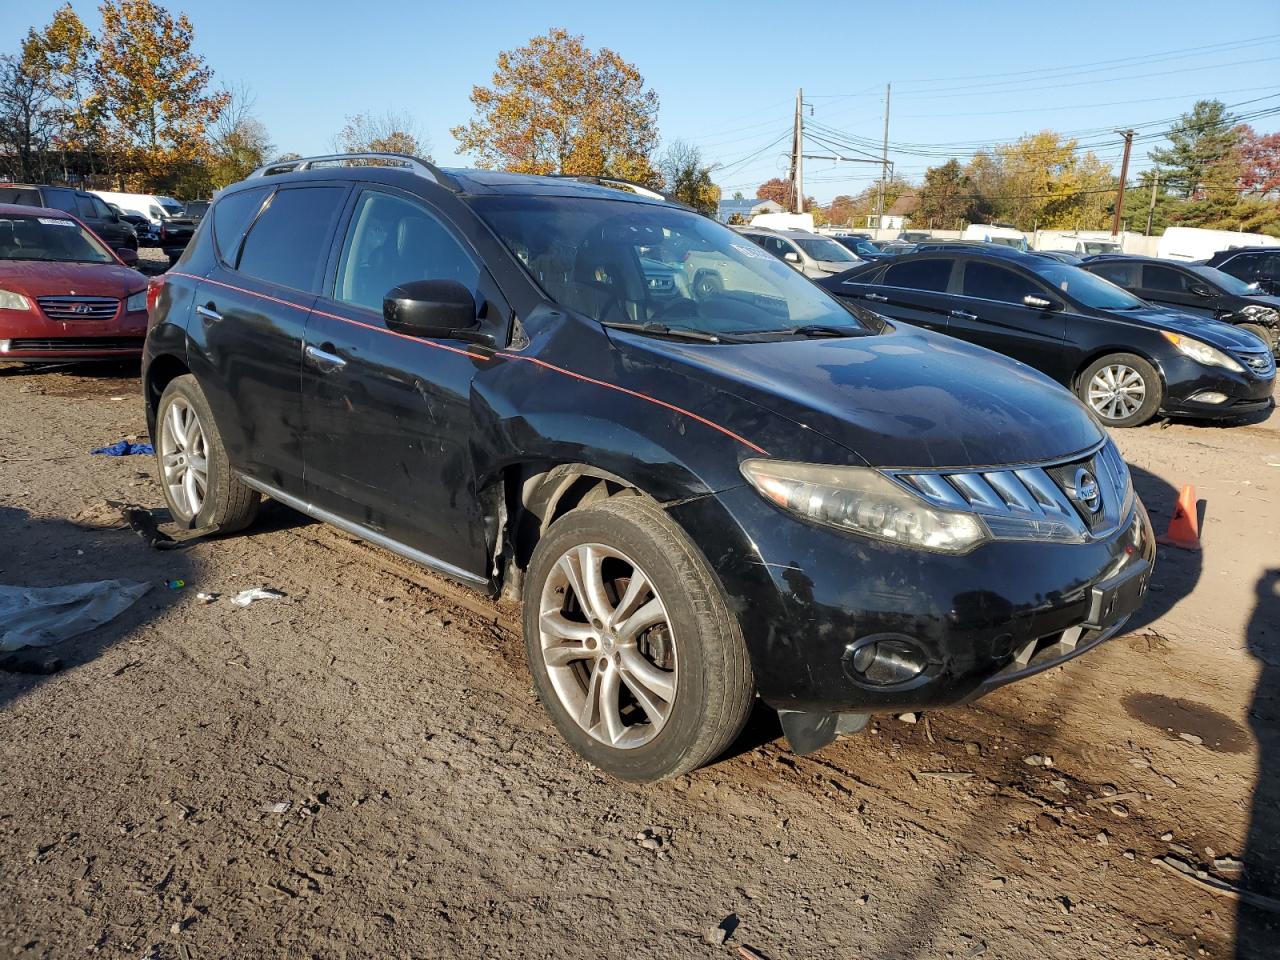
(1224, 336)
(904, 398)
(40, 279)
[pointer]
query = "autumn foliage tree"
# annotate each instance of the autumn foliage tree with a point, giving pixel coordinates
(556, 106)
(777, 190)
(388, 132)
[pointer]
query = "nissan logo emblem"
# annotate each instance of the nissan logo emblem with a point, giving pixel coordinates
(1087, 492)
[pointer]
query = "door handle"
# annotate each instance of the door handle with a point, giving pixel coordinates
(877, 297)
(325, 361)
(209, 313)
(963, 315)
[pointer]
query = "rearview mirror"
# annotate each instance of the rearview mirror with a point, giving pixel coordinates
(1039, 303)
(434, 308)
(128, 256)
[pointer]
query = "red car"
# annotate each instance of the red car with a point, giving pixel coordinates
(64, 295)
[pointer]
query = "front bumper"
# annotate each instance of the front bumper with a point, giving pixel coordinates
(30, 336)
(803, 593)
(1185, 380)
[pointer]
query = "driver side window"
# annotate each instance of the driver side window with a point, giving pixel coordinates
(392, 240)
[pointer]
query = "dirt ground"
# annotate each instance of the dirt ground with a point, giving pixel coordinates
(360, 769)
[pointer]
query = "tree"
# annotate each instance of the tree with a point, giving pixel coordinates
(238, 142)
(155, 87)
(1044, 183)
(777, 190)
(945, 197)
(555, 106)
(62, 59)
(1198, 140)
(1260, 162)
(388, 132)
(28, 121)
(686, 179)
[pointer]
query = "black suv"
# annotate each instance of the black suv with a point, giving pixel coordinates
(737, 486)
(1194, 288)
(1253, 265)
(92, 211)
(1126, 359)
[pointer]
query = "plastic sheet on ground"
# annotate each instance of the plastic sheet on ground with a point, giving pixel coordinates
(40, 616)
(124, 448)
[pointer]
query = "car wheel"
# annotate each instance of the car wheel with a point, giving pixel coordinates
(632, 648)
(1265, 334)
(1123, 389)
(199, 486)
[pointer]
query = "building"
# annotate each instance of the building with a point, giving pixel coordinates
(746, 209)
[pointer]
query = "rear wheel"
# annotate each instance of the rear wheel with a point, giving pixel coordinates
(1123, 389)
(632, 649)
(199, 486)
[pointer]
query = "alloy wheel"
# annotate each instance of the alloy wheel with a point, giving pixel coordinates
(608, 645)
(1116, 392)
(184, 458)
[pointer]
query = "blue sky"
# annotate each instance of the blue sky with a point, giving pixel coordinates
(963, 74)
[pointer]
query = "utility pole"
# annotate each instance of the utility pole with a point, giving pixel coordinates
(1124, 173)
(1151, 210)
(797, 156)
(884, 163)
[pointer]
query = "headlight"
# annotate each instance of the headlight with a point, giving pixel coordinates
(1255, 311)
(137, 301)
(1201, 352)
(863, 501)
(13, 301)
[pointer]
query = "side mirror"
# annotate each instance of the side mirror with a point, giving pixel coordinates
(128, 256)
(1040, 303)
(434, 308)
(1200, 290)
(791, 256)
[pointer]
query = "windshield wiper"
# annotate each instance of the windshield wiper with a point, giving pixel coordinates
(822, 330)
(662, 330)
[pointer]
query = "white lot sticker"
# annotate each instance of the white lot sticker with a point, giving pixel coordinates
(56, 223)
(752, 251)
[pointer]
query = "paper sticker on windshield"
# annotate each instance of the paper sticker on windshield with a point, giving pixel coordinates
(56, 223)
(752, 251)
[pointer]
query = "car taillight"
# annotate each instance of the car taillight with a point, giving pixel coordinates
(154, 286)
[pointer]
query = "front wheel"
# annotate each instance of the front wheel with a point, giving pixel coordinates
(1123, 389)
(632, 649)
(1265, 334)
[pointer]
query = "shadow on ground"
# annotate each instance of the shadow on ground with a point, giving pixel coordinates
(49, 552)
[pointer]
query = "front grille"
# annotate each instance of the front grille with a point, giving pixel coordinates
(1046, 498)
(1262, 363)
(79, 308)
(73, 343)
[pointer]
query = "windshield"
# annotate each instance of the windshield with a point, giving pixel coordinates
(820, 248)
(1100, 246)
(171, 206)
(1087, 288)
(1226, 281)
(49, 238)
(618, 261)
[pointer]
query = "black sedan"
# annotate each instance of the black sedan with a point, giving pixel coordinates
(1125, 358)
(1253, 265)
(1195, 288)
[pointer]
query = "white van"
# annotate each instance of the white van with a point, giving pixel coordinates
(1195, 243)
(784, 221)
(993, 233)
(152, 206)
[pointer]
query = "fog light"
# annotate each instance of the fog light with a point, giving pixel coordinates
(885, 660)
(1210, 396)
(4, 346)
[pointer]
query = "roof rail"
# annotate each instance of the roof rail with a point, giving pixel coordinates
(615, 182)
(421, 168)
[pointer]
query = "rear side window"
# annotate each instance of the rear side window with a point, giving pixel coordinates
(231, 217)
(1166, 279)
(919, 275)
(289, 241)
(1121, 274)
(990, 282)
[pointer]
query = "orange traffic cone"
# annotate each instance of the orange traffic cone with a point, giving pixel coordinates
(1184, 528)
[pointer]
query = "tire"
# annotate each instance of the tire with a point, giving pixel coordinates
(1139, 395)
(690, 650)
(1265, 334)
(220, 501)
